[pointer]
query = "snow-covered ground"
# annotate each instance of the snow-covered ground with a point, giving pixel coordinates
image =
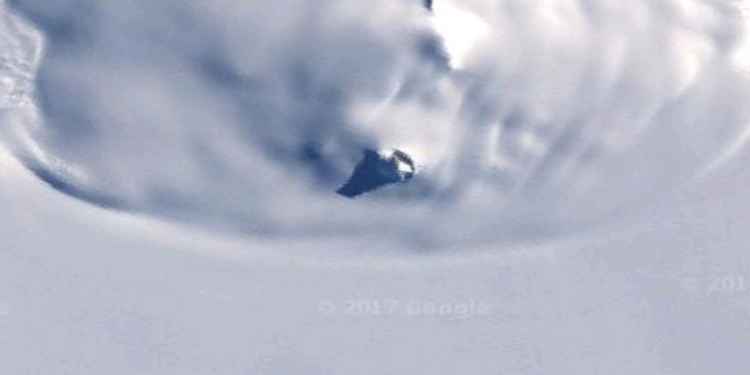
(86, 289)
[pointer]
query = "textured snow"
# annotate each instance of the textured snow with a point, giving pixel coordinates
(211, 136)
(525, 118)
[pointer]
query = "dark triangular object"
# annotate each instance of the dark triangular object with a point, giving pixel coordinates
(375, 171)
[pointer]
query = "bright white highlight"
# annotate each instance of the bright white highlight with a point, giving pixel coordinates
(460, 30)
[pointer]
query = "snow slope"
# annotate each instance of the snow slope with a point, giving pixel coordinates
(163, 288)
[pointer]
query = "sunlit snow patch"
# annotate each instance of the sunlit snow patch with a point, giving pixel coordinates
(459, 29)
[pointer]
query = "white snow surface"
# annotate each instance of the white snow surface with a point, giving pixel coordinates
(222, 128)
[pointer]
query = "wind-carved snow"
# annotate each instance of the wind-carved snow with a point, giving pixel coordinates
(20, 52)
(521, 118)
